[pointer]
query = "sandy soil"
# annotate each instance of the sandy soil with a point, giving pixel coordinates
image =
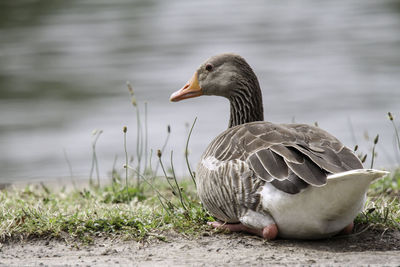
(211, 249)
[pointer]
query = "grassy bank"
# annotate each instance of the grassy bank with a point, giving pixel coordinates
(37, 211)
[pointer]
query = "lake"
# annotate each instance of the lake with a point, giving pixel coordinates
(64, 67)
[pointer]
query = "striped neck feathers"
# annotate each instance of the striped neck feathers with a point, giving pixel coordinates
(246, 102)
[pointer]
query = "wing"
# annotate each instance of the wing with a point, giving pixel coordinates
(289, 156)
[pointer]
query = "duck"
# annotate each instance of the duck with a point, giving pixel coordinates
(291, 181)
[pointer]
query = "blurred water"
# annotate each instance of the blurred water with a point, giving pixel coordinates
(64, 64)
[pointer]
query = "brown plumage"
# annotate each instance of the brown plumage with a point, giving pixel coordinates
(290, 156)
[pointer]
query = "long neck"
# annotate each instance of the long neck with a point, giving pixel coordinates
(246, 104)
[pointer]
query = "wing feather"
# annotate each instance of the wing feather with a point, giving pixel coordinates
(258, 168)
(292, 185)
(309, 172)
(274, 164)
(289, 156)
(287, 153)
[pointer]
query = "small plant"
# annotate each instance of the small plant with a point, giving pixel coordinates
(125, 129)
(143, 166)
(176, 190)
(163, 147)
(373, 150)
(187, 153)
(139, 133)
(95, 165)
(381, 213)
(396, 134)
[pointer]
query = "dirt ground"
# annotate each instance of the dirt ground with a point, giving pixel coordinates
(211, 249)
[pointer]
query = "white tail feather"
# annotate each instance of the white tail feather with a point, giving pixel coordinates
(369, 174)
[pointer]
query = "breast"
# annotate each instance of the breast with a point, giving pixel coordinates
(227, 188)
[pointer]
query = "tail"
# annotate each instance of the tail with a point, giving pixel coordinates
(368, 174)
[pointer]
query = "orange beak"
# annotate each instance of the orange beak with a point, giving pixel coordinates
(191, 89)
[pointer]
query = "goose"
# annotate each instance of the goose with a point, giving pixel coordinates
(292, 181)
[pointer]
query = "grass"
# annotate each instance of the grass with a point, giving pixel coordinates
(382, 209)
(107, 211)
(37, 211)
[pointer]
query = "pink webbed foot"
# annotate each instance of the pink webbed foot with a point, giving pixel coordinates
(269, 232)
(347, 230)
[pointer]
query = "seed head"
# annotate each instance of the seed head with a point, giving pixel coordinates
(133, 101)
(125, 129)
(355, 148)
(390, 116)
(364, 158)
(97, 132)
(133, 98)
(159, 153)
(128, 84)
(370, 210)
(376, 139)
(168, 128)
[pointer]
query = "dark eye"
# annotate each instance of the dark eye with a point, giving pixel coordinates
(209, 67)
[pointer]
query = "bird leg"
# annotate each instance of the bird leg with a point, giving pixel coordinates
(347, 230)
(268, 232)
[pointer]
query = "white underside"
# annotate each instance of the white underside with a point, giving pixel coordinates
(319, 212)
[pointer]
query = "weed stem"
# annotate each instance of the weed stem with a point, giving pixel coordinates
(125, 129)
(187, 153)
